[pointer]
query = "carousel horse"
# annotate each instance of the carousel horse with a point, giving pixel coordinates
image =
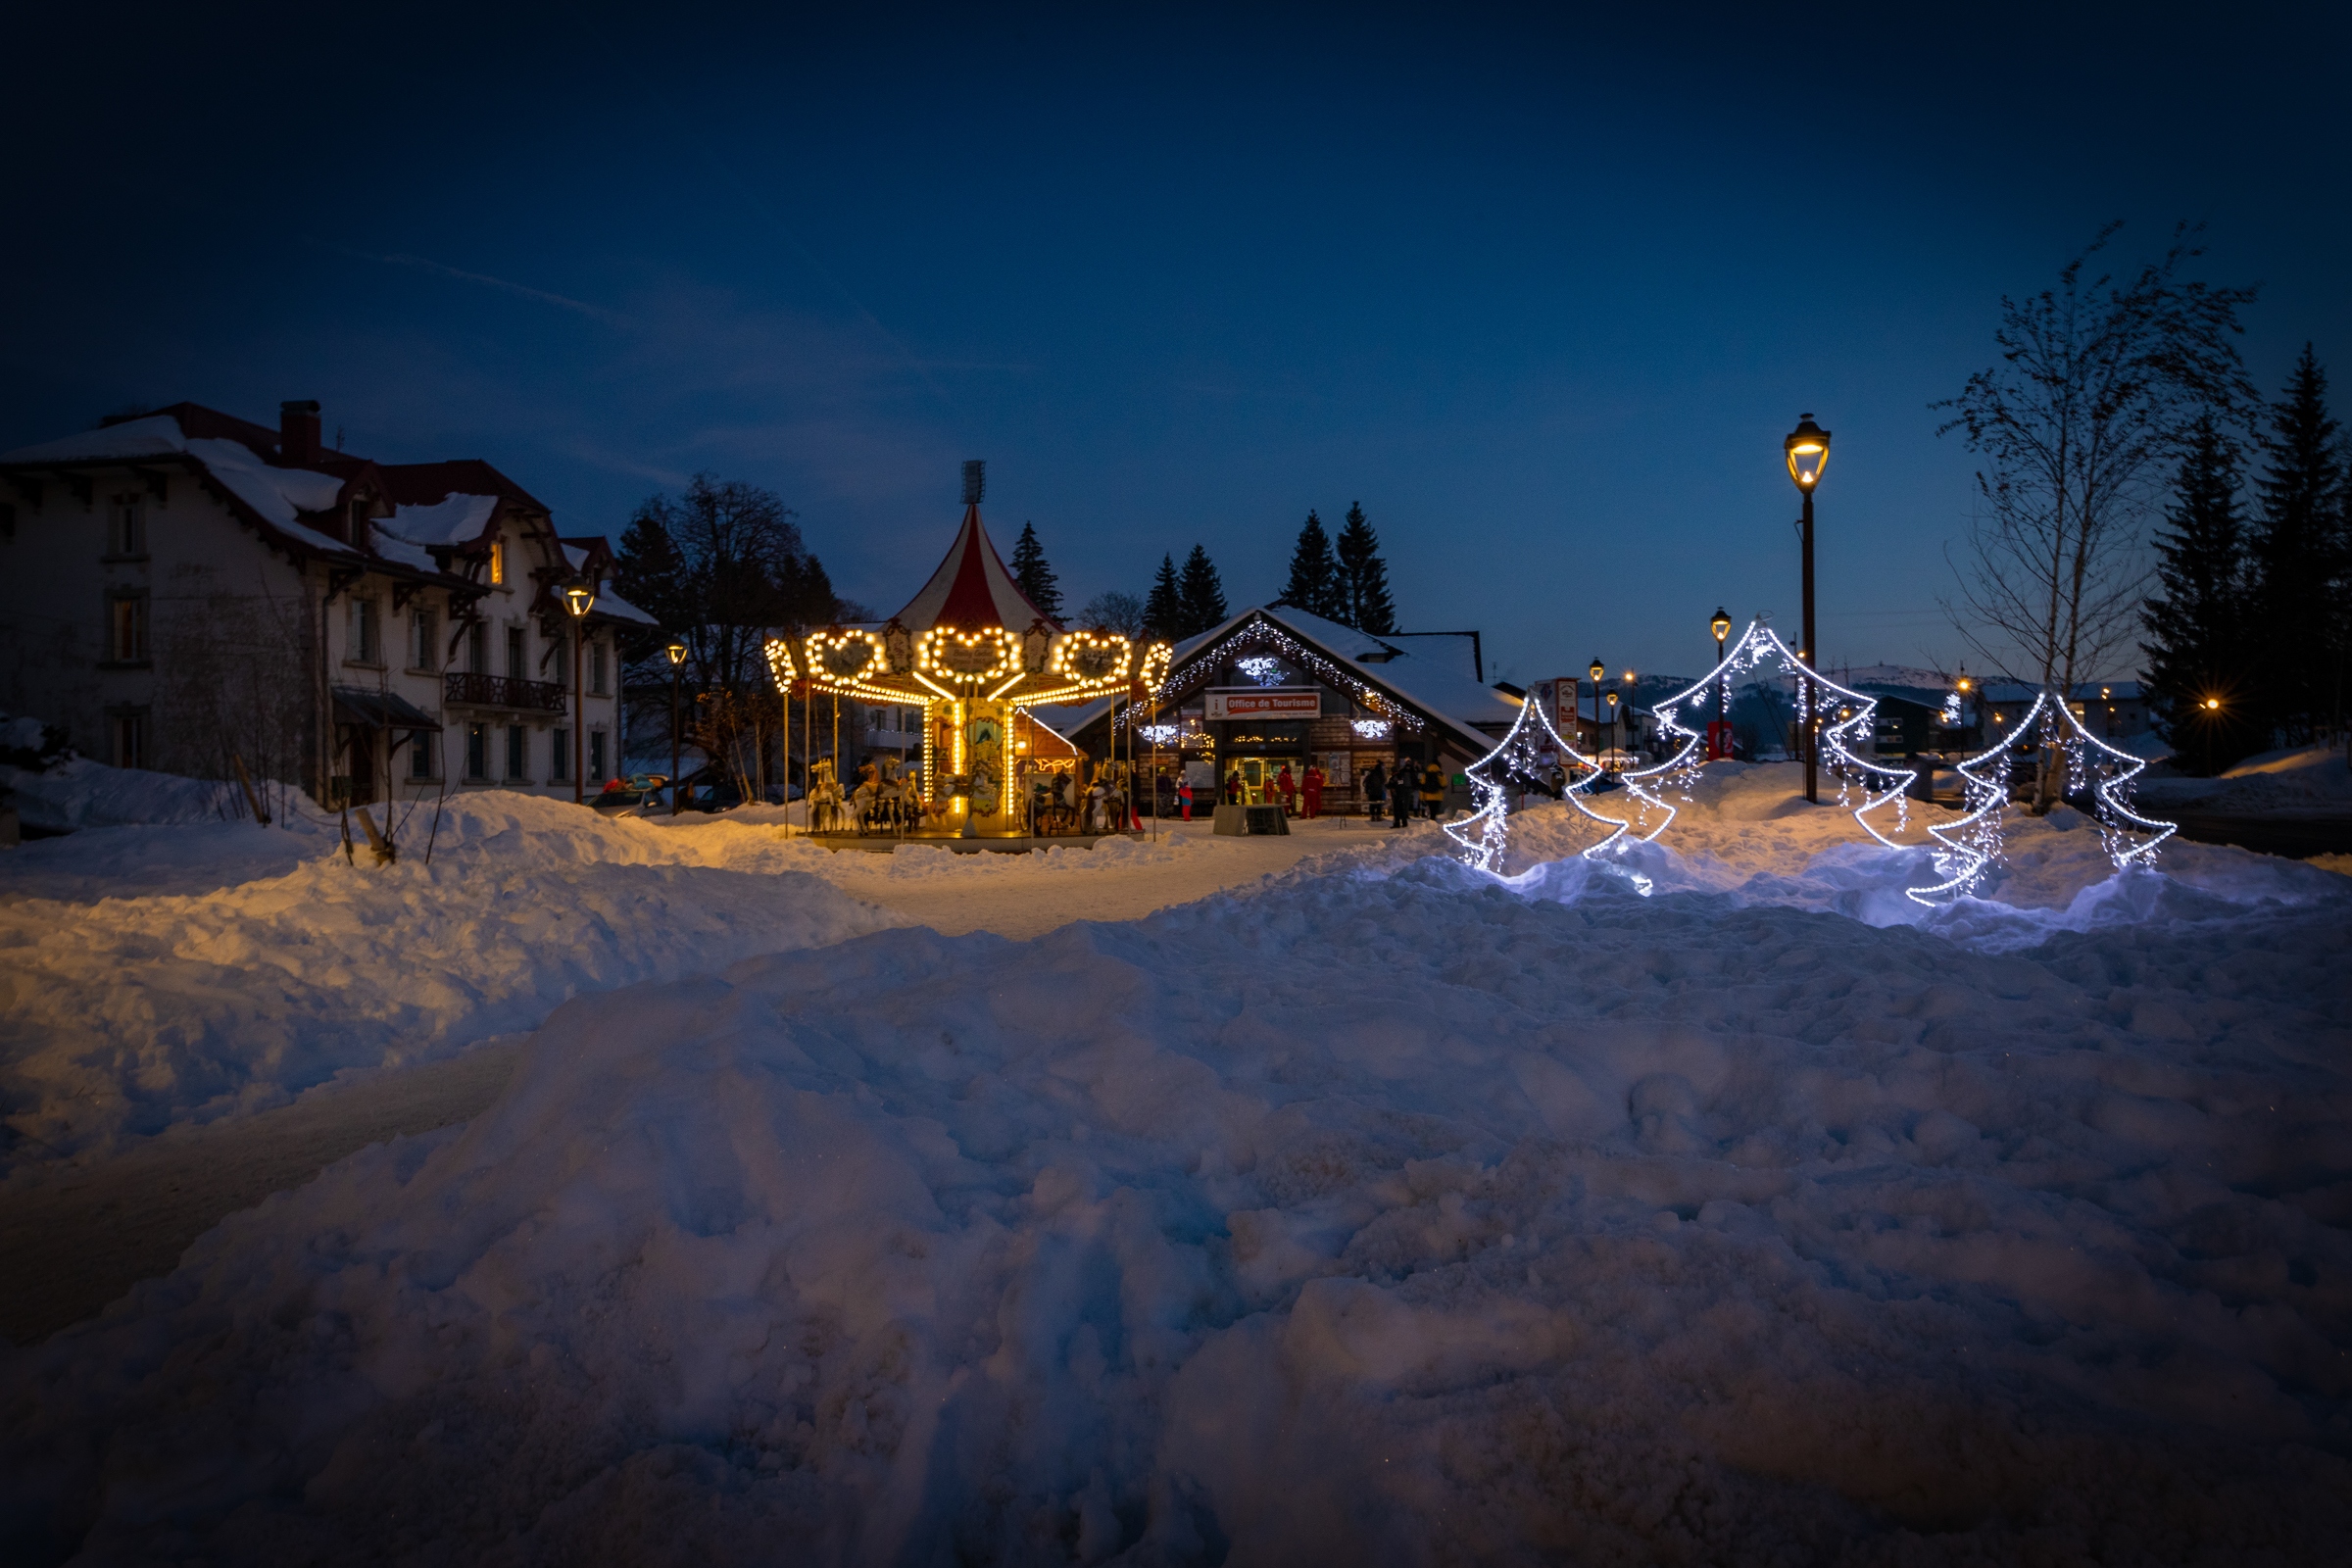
(825, 812)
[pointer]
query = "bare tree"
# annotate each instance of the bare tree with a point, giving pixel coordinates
(2096, 397)
(1114, 610)
(233, 682)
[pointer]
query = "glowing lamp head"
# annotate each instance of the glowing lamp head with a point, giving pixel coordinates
(677, 654)
(1612, 699)
(2213, 705)
(1721, 626)
(579, 597)
(1598, 670)
(1808, 449)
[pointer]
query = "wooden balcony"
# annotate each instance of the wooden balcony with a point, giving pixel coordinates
(467, 689)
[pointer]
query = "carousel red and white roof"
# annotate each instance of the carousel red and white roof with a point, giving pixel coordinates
(971, 589)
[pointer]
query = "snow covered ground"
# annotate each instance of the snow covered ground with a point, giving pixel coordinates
(2312, 780)
(1382, 1212)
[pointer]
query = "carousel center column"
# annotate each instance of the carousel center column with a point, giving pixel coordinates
(995, 812)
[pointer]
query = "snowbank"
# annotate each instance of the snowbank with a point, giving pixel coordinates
(78, 793)
(1386, 1217)
(262, 963)
(2311, 780)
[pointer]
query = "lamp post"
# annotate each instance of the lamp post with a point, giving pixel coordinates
(1721, 626)
(677, 669)
(1612, 752)
(1598, 670)
(2213, 714)
(579, 597)
(1808, 451)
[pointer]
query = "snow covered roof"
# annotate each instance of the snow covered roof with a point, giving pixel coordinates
(457, 519)
(436, 506)
(2018, 691)
(971, 588)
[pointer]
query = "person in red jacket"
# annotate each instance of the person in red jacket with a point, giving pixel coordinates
(1312, 781)
(1288, 788)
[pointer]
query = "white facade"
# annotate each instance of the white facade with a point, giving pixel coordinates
(173, 602)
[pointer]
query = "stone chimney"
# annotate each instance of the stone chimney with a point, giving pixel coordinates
(298, 432)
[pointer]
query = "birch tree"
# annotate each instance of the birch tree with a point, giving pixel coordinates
(2092, 406)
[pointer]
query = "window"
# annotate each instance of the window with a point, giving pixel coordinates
(127, 527)
(517, 657)
(131, 740)
(361, 647)
(498, 561)
(126, 628)
(517, 766)
(596, 669)
(562, 769)
(596, 754)
(477, 751)
(421, 754)
(421, 639)
(478, 648)
(562, 659)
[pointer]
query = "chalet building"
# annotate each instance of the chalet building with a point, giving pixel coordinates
(184, 587)
(1275, 685)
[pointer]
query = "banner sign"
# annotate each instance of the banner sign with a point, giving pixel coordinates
(1265, 702)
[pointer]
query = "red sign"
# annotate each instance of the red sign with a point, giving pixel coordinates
(1266, 701)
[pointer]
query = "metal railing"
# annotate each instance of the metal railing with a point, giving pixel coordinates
(468, 688)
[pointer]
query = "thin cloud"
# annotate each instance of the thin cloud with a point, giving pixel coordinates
(421, 263)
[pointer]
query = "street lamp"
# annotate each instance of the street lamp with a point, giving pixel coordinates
(2213, 712)
(1721, 626)
(1612, 726)
(1598, 670)
(1808, 450)
(579, 597)
(677, 669)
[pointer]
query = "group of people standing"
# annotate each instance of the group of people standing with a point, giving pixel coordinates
(1397, 795)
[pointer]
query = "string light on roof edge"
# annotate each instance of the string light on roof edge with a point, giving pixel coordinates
(1158, 692)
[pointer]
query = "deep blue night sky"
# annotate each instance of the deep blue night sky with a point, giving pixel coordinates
(1543, 295)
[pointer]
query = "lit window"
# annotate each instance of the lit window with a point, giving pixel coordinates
(498, 563)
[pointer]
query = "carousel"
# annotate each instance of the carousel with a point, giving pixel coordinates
(976, 656)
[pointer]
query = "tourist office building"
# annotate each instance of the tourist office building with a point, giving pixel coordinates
(1275, 687)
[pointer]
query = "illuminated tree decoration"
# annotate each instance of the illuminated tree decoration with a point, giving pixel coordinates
(1518, 763)
(1262, 668)
(1837, 737)
(1969, 846)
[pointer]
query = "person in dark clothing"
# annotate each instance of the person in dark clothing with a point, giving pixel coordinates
(1433, 790)
(1400, 796)
(1376, 791)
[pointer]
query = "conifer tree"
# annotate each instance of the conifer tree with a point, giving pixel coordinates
(1314, 584)
(1364, 576)
(2298, 558)
(2197, 645)
(1203, 594)
(1034, 576)
(1164, 611)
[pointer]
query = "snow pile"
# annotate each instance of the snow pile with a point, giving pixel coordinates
(76, 793)
(124, 1016)
(1374, 1217)
(2313, 780)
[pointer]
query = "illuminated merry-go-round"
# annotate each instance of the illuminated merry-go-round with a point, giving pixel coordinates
(976, 656)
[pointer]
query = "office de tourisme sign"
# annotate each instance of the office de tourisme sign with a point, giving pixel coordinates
(1265, 702)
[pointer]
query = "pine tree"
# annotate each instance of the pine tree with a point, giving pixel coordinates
(1314, 584)
(1164, 611)
(2198, 642)
(1364, 576)
(1034, 577)
(2298, 557)
(1204, 595)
